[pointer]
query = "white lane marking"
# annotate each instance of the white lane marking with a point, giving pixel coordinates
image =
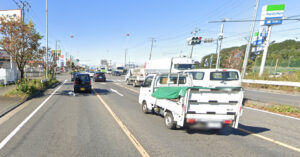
(278, 93)
(133, 140)
(270, 140)
(277, 114)
(116, 92)
(127, 88)
(102, 83)
(15, 131)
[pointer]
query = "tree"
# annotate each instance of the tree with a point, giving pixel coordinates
(21, 41)
(234, 60)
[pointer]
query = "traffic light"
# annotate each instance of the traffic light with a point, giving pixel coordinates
(196, 40)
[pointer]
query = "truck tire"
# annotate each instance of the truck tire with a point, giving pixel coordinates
(169, 121)
(127, 82)
(134, 84)
(144, 107)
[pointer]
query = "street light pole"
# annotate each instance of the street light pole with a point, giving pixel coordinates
(220, 46)
(47, 39)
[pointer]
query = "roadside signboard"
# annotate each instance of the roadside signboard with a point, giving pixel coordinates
(272, 14)
(11, 14)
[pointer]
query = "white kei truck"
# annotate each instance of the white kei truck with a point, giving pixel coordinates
(135, 77)
(202, 98)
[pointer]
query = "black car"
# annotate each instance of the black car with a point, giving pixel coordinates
(73, 75)
(82, 83)
(116, 73)
(99, 76)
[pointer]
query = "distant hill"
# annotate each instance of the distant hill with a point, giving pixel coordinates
(287, 52)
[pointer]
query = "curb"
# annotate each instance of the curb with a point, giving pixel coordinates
(29, 98)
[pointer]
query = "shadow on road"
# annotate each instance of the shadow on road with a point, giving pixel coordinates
(229, 131)
(102, 91)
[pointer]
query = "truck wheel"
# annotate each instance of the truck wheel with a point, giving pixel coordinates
(169, 121)
(144, 107)
(127, 82)
(133, 84)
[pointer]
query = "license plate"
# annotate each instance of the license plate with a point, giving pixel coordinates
(82, 89)
(214, 125)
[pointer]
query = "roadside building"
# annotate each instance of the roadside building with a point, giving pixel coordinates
(9, 72)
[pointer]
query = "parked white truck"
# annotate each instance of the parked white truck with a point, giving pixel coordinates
(210, 99)
(135, 77)
(176, 64)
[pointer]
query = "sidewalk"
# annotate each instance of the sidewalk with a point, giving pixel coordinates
(7, 103)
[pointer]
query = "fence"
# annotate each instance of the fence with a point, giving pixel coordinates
(277, 83)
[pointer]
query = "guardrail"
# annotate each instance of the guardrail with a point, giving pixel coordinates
(276, 83)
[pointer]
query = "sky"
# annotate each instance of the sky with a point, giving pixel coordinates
(100, 27)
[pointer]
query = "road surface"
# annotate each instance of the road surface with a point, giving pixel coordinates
(85, 124)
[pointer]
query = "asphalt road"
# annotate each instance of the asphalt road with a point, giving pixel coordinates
(79, 125)
(271, 97)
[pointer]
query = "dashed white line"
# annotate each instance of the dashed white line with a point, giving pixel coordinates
(113, 90)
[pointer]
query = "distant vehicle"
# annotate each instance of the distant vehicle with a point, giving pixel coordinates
(109, 71)
(73, 75)
(120, 68)
(135, 76)
(91, 73)
(99, 76)
(209, 99)
(116, 73)
(82, 83)
(176, 64)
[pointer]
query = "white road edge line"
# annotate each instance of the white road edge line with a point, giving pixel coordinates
(277, 114)
(269, 92)
(15, 131)
(113, 90)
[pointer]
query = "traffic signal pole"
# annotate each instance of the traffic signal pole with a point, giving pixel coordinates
(219, 46)
(194, 33)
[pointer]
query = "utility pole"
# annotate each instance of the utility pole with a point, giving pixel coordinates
(125, 58)
(152, 40)
(246, 57)
(219, 46)
(264, 57)
(55, 55)
(196, 30)
(46, 39)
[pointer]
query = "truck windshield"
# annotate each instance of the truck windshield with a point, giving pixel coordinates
(197, 75)
(184, 66)
(224, 75)
(120, 68)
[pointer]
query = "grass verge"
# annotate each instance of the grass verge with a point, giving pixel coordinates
(275, 108)
(26, 88)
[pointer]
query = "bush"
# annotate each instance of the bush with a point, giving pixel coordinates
(28, 87)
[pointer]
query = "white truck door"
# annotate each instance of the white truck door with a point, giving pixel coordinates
(146, 91)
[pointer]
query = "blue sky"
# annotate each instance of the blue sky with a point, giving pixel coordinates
(100, 26)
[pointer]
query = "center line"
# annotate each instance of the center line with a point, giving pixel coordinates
(133, 140)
